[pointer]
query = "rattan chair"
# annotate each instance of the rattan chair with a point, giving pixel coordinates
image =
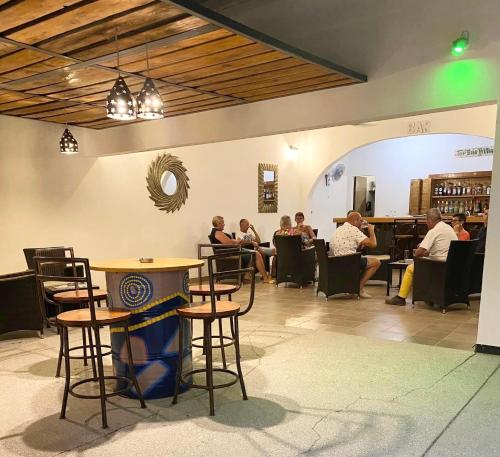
(340, 274)
(90, 319)
(19, 304)
(445, 283)
(294, 264)
(208, 313)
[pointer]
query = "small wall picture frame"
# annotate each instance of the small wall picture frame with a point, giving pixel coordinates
(267, 193)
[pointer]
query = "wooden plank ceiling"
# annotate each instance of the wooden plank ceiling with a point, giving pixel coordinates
(58, 60)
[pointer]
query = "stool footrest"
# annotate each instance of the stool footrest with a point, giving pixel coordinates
(216, 386)
(224, 337)
(88, 346)
(107, 394)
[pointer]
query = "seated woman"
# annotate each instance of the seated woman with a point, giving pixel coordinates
(305, 230)
(217, 236)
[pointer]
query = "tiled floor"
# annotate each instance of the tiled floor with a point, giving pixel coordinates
(423, 324)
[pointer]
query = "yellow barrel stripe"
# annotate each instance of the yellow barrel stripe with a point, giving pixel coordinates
(159, 302)
(170, 313)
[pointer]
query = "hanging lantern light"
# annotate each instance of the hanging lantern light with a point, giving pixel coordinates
(120, 103)
(149, 102)
(67, 143)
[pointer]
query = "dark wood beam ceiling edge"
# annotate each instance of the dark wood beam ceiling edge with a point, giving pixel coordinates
(214, 17)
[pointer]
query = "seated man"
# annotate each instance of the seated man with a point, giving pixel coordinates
(457, 223)
(435, 245)
(348, 239)
(217, 236)
(248, 235)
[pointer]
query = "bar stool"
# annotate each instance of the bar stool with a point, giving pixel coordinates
(203, 290)
(208, 313)
(79, 298)
(90, 319)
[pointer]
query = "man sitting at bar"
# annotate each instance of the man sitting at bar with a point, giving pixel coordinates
(435, 245)
(348, 239)
(457, 223)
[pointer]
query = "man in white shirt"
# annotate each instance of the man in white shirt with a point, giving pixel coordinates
(348, 239)
(249, 235)
(435, 245)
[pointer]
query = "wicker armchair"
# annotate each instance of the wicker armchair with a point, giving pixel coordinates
(19, 304)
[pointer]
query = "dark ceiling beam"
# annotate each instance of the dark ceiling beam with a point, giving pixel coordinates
(94, 63)
(214, 17)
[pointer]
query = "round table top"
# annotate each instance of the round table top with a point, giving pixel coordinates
(133, 265)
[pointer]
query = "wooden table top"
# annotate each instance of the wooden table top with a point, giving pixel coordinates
(133, 265)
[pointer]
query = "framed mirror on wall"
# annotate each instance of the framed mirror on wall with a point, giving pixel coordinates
(167, 183)
(267, 193)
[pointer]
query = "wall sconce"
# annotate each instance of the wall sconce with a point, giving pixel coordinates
(293, 152)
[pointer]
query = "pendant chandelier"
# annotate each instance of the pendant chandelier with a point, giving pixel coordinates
(149, 102)
(120, 104)
(67, 143)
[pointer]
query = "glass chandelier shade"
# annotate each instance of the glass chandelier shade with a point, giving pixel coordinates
(149, 102)
(67, 143)
(120, 104)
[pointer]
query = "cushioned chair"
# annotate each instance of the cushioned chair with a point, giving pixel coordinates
(19, 305)
(295, 264)
(339, 274)
(445, 283)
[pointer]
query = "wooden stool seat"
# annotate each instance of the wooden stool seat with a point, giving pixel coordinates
(79, 296)
(404, 237)
(204, 289)
(204, 311)
(81, 317)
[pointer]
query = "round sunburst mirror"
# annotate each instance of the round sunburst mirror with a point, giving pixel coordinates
(167, 183)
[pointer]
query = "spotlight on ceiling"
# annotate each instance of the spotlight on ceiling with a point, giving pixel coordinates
(67, 143)
(459, 46)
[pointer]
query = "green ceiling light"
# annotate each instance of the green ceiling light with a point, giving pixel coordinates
(459, 46)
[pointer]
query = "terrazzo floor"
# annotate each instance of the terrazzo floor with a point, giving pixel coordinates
(340, 377)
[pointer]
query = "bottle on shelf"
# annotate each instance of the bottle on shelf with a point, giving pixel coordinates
(459, 189)
(453, 189)
(461, 207)
(488, 189)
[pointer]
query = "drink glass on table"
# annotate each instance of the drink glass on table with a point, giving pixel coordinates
(406, 254)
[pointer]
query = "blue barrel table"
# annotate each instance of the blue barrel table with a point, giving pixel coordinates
(151, 292)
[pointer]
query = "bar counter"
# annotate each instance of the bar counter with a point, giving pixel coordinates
(390, 220)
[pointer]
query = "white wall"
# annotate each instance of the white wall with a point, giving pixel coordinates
(489, 316)
(394, 163)
(101, 205)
